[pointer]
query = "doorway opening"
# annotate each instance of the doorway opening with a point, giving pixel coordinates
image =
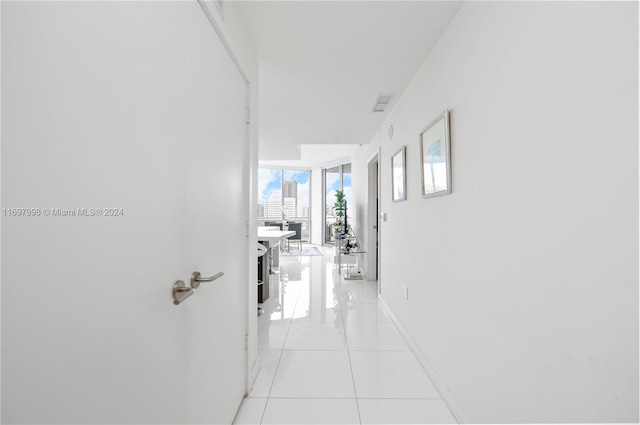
(373, 220)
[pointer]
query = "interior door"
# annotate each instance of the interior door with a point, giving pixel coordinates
(123, 130)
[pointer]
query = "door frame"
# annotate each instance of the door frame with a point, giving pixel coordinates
(250, 167)
(373, 219)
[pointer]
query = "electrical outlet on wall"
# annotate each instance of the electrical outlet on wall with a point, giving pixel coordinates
(405, 292)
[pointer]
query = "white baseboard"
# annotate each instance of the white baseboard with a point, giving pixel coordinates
(454, 406)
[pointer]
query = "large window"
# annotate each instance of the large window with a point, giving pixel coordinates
(336, 178)
(284, 194)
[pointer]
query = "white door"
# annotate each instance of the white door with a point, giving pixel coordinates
(135, 107)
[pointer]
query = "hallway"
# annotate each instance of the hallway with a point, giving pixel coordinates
(330, 354)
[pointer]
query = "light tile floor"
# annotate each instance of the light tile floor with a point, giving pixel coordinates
(331, 355)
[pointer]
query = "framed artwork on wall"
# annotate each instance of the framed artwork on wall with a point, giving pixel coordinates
(435, 157)
(399, 175)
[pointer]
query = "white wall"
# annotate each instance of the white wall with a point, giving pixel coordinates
(122, 105)
(523, 282)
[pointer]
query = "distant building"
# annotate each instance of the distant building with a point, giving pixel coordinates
(290, 197)
(290, 207)
(273, 209)
(290, 189)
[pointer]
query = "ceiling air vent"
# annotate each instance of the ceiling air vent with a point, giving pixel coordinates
(382, 102)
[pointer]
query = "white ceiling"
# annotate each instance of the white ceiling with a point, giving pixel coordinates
(324, 63)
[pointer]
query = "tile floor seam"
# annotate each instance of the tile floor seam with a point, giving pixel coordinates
(353, 379)
(274, 374)
(385, 350)
(264, 411)
(396, 398)
(273, 380)
(314, 398)
(284, 343)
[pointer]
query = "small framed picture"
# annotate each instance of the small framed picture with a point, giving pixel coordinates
(399, 175)
(435, 157)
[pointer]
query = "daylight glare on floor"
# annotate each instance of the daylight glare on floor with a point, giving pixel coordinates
(331, 355)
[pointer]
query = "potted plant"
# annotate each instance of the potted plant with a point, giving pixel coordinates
(340, 211)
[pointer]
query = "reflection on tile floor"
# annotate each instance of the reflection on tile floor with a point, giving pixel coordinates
(331, 355)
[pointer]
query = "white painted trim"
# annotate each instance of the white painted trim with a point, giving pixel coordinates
(250, 239)
(1, 220)
(224, 40)
(454, 406)
(379, 221)
(251, 303)
(372, 219)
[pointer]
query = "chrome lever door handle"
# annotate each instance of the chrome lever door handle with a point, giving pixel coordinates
(181, 292)
(196, 278)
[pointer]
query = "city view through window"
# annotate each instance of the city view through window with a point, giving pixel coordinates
(284, 194)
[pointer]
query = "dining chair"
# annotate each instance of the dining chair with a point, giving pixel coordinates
(297, 227)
